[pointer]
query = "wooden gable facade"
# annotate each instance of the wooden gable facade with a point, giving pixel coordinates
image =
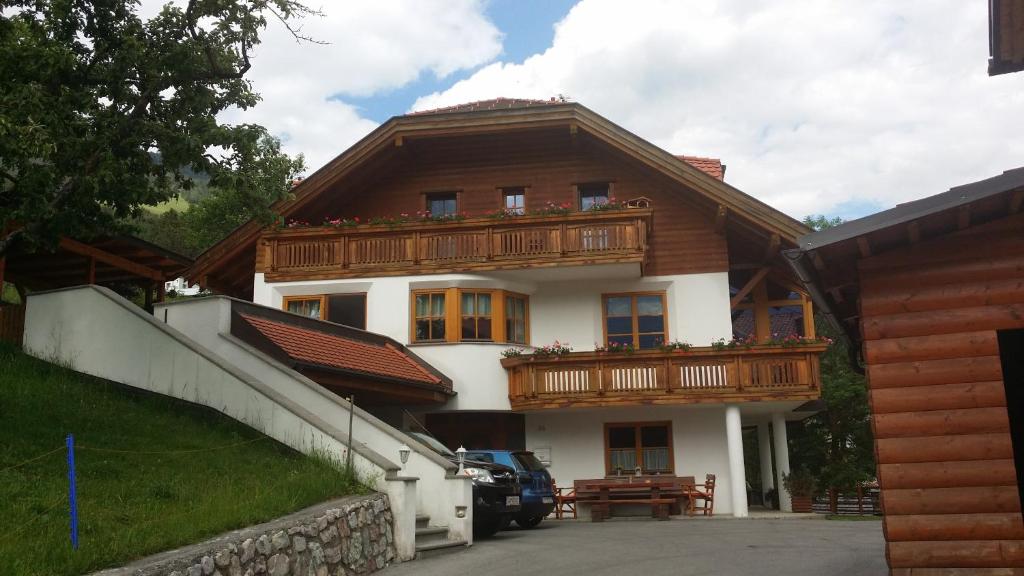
(549, 150)
(933, 292)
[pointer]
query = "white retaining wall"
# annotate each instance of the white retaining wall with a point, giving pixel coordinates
(92, 330)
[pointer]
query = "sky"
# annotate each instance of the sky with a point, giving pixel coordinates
(816, 106)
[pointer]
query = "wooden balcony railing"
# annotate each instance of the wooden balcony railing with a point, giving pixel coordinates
(610, 237)
(702, 375)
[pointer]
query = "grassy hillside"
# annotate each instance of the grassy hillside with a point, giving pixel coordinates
(153, 473)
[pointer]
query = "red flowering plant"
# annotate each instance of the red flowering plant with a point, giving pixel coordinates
(675, 345)
(610, 204)
(556, 349)
(615, 348)
(553, 209)
(503, 213)
(296, 224)
(794, 340)
(341, 222)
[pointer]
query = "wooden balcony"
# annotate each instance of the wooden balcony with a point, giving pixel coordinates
(580, 238)
(700, 375)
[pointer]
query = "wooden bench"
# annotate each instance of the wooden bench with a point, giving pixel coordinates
(664, 494)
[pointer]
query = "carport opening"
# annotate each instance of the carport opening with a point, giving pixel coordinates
(1011, 352)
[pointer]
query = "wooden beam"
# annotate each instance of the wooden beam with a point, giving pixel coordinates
(865, 246)
(914, 232)
(837, 295)
(773, 248)
(757, 277)
(90, 275)
(808, 307)
(963, 217)
(762, 317)
(819, 263)
(720, 217)
(1016, 201)
(399, 140)
(81, 249)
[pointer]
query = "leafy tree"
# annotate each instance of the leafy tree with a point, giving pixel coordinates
(102, 112)
(836, 445)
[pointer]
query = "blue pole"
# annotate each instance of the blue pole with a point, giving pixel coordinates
(72, 492)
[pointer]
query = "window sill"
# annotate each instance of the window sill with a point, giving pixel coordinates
(484, 343)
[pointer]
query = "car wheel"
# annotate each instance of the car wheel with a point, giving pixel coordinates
(528, 521)
(486, 528)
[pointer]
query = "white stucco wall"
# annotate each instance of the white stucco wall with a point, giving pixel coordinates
(575, 439)
(565, 305)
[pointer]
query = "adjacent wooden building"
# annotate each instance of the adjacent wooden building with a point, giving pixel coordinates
(1006, 36)
(932, 293)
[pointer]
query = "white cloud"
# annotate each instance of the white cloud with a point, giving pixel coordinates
(813, 105)
(372, 47)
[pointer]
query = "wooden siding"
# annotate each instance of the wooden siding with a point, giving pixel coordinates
(548, 164)
(943, 445)
(12, 324)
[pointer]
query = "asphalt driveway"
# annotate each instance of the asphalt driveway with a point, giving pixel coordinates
(690, 547)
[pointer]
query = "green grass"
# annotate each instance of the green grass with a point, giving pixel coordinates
(176, 203)
(130, 503)
(853, 517)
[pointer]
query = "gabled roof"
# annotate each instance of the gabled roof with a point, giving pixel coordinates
(505, 115)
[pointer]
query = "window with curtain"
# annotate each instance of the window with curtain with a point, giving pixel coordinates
(593, 194)
(515, 319)
(645, 445)
(514, 200)
(475, 312)
(429, 317)
(442, 204)
(635, 319)
(308, 306)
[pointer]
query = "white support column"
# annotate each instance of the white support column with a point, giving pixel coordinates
(764, 449)
(781, 459)
(737, 477)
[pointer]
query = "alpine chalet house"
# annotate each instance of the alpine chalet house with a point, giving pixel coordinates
(578, 286)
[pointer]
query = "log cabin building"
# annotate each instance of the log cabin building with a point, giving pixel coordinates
(932, 293)
(479, 236)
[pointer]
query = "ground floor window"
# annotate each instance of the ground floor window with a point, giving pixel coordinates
(347, 309)
(638, 446)
(308, 306)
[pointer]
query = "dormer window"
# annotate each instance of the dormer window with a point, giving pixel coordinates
(593, 194)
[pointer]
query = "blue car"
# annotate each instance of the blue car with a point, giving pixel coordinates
(538, 499)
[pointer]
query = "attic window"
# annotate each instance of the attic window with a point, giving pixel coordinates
(593, 194)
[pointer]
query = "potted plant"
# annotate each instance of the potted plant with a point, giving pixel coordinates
(801, 486)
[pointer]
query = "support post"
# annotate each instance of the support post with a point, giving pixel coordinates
(72, 492)
(762, 316)
(90, 275)
(737, 477)
(764, 449)
(781, 459)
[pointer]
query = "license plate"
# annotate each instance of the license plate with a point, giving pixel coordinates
(547, 500)
(511, 500)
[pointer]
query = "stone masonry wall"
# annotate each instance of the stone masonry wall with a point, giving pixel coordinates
(345, 537)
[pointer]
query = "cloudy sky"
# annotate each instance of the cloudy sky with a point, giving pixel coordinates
(833, 107)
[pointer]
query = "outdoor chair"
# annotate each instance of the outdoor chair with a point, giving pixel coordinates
(706, 493)
(565, 500)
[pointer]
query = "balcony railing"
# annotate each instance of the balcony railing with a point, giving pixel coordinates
(610, 237)
(702, 375)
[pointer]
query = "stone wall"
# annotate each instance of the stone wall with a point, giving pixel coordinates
(344, 537)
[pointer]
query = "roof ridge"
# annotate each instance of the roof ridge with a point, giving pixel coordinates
(491, 104)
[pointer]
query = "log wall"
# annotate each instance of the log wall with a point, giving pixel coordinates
(929, 316)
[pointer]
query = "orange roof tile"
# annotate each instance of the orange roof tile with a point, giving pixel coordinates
(330, 350)
(710, 166)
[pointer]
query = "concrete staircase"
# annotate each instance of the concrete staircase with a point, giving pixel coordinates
(433, 540)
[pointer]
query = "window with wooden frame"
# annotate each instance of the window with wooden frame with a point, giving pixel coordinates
(513, 200)
(469, 315)
(308, 306)
(643, 446)
(593, 194)
(429, 317)
(475, 315)
(442, 204)
(635, 319)
(516, 320)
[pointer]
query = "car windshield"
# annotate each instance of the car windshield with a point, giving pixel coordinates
(480, 457)
(433, 444)
(528, 461)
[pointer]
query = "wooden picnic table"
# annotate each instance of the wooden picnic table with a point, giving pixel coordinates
(665, 494)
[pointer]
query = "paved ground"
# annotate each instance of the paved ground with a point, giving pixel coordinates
(690, 547)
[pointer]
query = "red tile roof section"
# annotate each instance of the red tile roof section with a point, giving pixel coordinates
(493, 104)
(333, 351)
(710, 166)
